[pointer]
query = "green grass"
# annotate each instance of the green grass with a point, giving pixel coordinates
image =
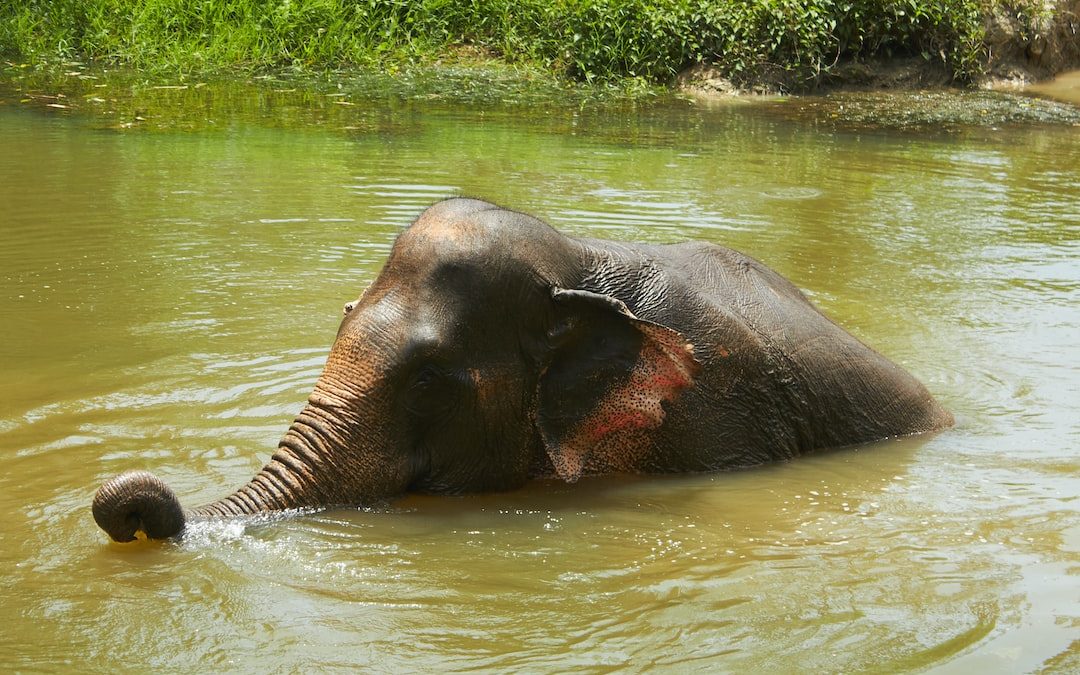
(585, 40)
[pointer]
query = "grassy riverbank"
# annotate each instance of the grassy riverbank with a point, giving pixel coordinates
(586, 40)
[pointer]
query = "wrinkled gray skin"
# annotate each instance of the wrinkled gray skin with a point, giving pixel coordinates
(492, 349)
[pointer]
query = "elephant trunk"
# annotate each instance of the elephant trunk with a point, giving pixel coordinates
(316, 465)
(137, 501)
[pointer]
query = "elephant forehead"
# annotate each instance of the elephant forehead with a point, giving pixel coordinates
(438, 234)
(475, 236)
(479, 235)
(455, 254)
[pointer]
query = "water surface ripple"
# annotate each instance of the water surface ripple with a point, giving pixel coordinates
(168, 299)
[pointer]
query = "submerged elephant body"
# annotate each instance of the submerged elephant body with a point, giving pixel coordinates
(491, 349)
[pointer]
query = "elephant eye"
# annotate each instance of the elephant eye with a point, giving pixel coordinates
(430, 391)
(427, 378)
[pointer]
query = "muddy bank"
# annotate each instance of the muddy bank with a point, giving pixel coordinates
(1024, 47)
(1024, 43)
(862, 75)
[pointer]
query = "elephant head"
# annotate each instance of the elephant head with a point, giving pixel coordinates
(471, 363)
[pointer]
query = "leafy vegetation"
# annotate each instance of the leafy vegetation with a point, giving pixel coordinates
(587, 40)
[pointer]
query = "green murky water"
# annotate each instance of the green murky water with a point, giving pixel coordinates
(168, 293)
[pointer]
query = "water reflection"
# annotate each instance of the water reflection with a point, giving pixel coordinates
(1064, 87)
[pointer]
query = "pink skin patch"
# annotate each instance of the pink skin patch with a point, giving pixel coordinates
(616, 422)
(611, 438)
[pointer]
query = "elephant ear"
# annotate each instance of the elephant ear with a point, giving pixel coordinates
(609, 373)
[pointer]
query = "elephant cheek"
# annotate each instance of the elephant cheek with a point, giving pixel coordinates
(487, 386)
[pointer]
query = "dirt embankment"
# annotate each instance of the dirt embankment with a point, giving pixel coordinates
(1022, 49)
(1022, 46)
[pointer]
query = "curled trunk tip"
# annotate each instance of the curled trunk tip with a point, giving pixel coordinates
(137, 501)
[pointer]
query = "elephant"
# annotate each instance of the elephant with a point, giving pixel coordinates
(492, 349)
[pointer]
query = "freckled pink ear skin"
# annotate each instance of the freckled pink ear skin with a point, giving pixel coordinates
(618, 383)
